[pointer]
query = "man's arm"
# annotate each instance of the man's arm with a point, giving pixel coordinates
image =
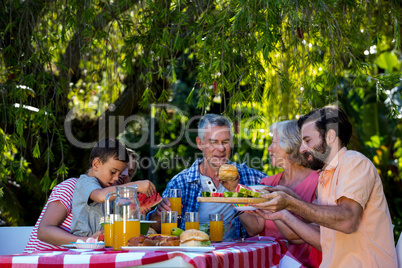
(343, 217)
(164, 205)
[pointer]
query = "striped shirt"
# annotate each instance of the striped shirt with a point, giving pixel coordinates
(62, 193)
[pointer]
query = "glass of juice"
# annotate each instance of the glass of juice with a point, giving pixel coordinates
(108, 228)
(168, 221)
(216, 227)
(191, 221)
(175, 200)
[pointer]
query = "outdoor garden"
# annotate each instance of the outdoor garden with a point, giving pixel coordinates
(73, 72)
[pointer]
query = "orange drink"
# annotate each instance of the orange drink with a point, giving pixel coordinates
(216, 227)
(191, 221)
(123, 231)
(108, 227)
(168, 221)
(167, 227)
(175, 204)
(192, 225)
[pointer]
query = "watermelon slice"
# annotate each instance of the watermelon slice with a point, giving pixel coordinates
(206, 194)
(247, 191)
(148, 202)
(216, 194)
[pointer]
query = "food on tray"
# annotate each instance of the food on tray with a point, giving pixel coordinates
(232, 194)
(153, 240)
(194, 238)
(228, 172)
(248, 191)
(206, 194)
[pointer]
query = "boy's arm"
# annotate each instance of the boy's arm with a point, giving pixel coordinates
(99, 195)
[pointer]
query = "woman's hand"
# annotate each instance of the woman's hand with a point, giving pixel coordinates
(146, 187)
(284, 189)
(267, 215)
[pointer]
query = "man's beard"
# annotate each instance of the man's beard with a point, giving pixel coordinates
(319, 154)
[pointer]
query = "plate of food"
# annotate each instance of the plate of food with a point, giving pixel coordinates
(189, 241)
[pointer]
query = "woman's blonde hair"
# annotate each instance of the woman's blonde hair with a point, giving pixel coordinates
(289, 137)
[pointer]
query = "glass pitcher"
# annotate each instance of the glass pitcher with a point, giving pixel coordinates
(126, 220)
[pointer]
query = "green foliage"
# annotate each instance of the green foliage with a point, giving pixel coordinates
(257, 62)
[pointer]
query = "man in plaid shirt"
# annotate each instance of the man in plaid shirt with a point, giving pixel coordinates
(214, 139)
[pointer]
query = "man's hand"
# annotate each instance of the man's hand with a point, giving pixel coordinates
(164, 205)
(279, 200)
(146, 187)
(231, 185)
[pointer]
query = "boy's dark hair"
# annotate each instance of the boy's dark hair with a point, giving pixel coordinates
(107, 148)
(329, 117)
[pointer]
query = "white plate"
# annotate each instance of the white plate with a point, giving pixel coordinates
(259, 187)
(184, 249)
(143, 221)
(245, 208)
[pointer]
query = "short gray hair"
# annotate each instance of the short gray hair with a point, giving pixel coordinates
(212, 120)
(290, 140)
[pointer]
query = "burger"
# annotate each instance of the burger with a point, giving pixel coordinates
(194, 238)
(228, 172)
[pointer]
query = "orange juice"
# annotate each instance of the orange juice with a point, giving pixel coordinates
(167, 227)
(192, 225)
(123, 231)
(175, 204)
(108, 227)
(216, 230)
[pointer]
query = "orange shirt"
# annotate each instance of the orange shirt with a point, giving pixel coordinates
(306, 190)
(350, 174)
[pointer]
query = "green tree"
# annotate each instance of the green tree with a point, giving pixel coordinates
(92, 63)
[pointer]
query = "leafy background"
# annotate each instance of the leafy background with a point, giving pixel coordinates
(92, 63)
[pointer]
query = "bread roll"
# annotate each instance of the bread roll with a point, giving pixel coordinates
(228, 172)
(193, 238)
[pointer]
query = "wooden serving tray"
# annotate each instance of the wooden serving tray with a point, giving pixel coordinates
(232, 200)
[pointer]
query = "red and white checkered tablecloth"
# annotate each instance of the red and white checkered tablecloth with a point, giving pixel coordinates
(226, 254)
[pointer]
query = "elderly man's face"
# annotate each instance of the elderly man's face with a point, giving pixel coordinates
(216, 145)
(314, 148)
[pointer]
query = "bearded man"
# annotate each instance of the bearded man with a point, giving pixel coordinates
(351, 210)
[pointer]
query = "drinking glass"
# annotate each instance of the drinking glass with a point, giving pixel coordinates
(175, 200)
(108, 228)
(191, 220)
(168, 221)
(216, 227)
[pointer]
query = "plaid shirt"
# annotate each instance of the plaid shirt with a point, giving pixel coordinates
(189, 182)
